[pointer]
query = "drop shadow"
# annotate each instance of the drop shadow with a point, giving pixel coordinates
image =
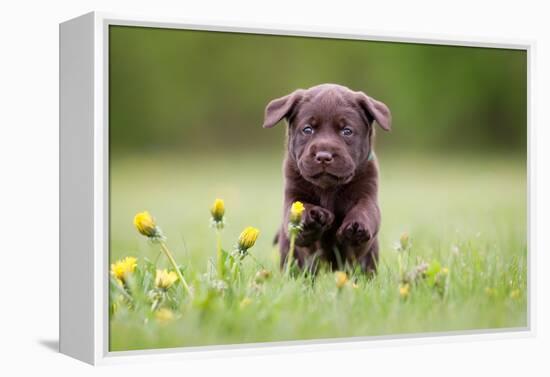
(51, 344)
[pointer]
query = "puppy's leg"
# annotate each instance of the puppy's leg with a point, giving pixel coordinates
(315, 221)
(369, 260)
(357, 235)
(305, 256)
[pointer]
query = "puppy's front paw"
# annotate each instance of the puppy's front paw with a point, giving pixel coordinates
(317, 219)
(353, 233)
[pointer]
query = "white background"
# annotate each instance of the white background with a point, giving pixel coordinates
(29, 183)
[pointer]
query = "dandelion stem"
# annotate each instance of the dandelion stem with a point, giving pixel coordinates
(219, 259)
(235, 269)
(174, 264)
(123, 291)
(257, 261)
(290, 258)
(400, 264)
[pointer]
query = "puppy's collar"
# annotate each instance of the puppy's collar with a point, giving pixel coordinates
(372, 156)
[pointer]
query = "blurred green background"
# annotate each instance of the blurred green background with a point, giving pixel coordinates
(185, 115)
(197, 91)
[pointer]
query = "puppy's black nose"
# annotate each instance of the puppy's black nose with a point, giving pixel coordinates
(323, 157)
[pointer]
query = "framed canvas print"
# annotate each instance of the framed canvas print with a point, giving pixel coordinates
(238, 189)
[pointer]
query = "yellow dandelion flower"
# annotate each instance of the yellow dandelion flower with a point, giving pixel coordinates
(217, 210)
(164, 279)
(122, 268)
(515, 294)
(445, 270)
(296, 211)
(294, 227)
(164, 315)
(248, 238)
(341, 279)
(404, 241)
(245, 302)
(145, 224)
(404, 290)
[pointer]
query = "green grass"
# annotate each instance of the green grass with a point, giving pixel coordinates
(475, 205)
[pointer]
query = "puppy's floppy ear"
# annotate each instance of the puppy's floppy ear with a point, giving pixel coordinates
(281, 108)
(375, 110)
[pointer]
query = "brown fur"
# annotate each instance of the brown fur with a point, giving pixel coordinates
(329, 170)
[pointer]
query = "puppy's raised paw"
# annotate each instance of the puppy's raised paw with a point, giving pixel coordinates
(353, 233)
(317, 219)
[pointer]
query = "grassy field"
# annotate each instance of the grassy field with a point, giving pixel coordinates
(467, 214)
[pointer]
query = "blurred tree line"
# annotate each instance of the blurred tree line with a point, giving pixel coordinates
(180, 90)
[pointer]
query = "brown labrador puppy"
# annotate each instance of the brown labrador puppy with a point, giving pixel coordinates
(330, 166)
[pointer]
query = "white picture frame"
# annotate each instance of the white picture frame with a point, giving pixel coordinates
(84, 200)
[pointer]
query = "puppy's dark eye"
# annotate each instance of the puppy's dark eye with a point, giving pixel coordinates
(347, 131)
(307, 130)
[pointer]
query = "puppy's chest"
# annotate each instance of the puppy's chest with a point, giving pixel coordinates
(334, 202)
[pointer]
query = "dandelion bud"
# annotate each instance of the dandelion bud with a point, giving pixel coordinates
(404, 290)
(165, 279)
(248, 238)
(262, 276)
(404, 241)
(121, 269)
(341, 279)
(455, 250)
(245, 302)
(164, 315)
(145, 224)
(296, 211)
(217, 210)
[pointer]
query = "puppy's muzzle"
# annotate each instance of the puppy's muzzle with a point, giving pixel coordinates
(324, 158)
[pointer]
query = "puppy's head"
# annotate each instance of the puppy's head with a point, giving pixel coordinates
(330, 130)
